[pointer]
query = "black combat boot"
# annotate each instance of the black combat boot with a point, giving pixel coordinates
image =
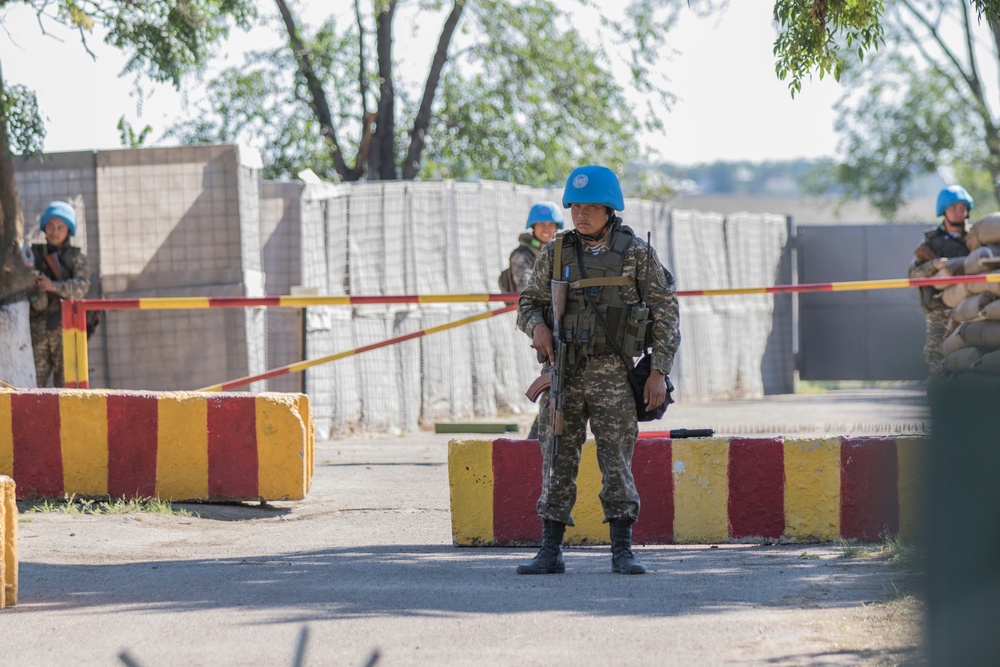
(622, 558)
(549, 560)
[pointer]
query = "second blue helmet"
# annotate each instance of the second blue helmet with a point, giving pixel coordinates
(544, 211)
(593, 184)
(952, 195)
(61, 210)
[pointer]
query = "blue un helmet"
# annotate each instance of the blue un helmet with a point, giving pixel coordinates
(952, 195)
(593, 184)
(61, 210)
(544, 211)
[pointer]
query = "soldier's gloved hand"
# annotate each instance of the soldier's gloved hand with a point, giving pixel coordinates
(541, 340)
(655, 391)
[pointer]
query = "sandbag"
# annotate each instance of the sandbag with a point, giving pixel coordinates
(984, 231)
(952, 295)
(988, 363)
(971, 308)
(962, 361)
(991, 311)
(983, 259)
(954, 266)
(953, 342)
(980, 288)
(984, 334)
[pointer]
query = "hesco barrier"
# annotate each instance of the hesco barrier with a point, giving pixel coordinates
(700, 491)
(166, 445)
(8, 542)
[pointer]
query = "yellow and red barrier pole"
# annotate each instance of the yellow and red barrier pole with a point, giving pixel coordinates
(302, 365)
(75, 329)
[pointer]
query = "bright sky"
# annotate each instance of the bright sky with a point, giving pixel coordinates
(731, 105)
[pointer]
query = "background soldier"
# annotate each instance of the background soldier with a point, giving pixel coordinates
(544, 220)
(596, 384)
(62, 273)
(942, 243)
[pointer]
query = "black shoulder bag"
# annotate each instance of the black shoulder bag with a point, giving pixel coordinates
(637, 373)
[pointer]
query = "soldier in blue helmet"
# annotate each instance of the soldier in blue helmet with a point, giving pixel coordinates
(613, 277)
(61, 273)
(544, 220)
(941, 243)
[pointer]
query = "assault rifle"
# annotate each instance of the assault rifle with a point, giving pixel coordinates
(557, 372)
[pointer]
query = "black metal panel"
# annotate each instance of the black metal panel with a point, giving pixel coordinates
(859, 335)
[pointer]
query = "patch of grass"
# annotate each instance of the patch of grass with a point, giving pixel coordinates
(894, 549)
(805, 555)
(70, 504)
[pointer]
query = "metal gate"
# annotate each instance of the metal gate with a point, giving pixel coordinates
(859, 335)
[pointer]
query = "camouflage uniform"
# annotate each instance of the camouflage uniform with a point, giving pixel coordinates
(598, 390)
(937, 243)
(46, 309)
(522, 259)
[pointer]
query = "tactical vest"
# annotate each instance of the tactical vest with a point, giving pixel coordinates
(944, 245)
(583, 333)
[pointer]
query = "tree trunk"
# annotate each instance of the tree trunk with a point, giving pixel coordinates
(17, 365)
(383, 155)
(418, 134)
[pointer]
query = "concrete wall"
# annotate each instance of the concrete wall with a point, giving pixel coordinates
(163, 222)
(197, 221)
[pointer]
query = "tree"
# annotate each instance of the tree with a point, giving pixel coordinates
(166, 40)
(923, 104)
(819, 35)
(512, 91)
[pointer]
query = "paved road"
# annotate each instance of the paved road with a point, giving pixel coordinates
(365, 565)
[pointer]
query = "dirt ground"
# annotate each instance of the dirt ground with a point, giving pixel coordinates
(364, 571)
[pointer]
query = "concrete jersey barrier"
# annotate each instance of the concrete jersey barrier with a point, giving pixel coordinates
(167, 445)
(8, 542)
(700, 491)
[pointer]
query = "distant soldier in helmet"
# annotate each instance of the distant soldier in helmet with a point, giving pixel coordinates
(62, 273)
(622, 272)
(544, 220)
(942, 243)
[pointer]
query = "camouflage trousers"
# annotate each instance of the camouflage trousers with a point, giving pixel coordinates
(47, 347)
(597, 391)
(938, 328)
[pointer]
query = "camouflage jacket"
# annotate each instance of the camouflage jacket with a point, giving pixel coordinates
(535, 303)
(73, 280)
(522, 260)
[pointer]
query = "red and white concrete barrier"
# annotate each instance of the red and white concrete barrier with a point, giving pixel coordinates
(698, 491)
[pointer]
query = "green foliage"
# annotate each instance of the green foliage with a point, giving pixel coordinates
(813, 34)
(128, 135)
(71, 504)
(263, 104)
(165, 40)
(25, 128)
(523, 96)
(919, 107)
(537, 104)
